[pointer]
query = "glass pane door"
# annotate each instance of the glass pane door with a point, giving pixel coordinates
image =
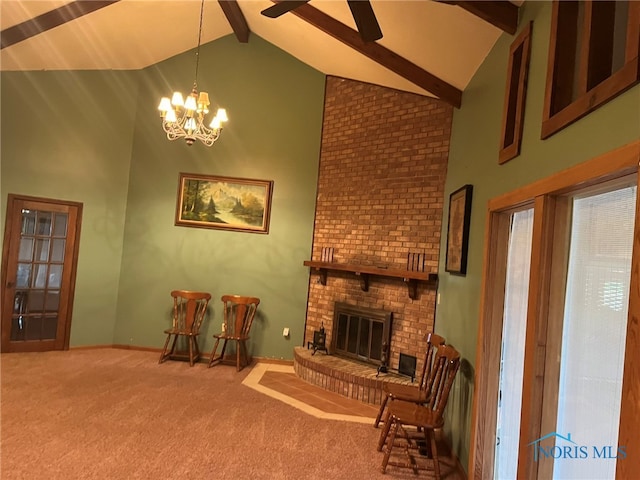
(513, 338)
(39, 263)
(39, 276)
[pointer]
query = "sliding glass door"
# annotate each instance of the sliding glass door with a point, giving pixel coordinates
(556, 376)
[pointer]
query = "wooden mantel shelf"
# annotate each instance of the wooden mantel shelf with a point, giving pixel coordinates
(411, 278)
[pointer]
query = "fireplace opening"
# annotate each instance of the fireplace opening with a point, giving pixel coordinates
(361, 333)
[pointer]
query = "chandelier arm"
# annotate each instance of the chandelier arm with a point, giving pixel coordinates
(176, 130)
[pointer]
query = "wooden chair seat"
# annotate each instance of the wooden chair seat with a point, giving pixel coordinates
(179, 331)
(410, 413)
(408, 393)
(189, 310)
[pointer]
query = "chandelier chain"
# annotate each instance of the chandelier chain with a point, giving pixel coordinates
(195, 81)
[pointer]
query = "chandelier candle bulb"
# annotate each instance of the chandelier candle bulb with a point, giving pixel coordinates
(165, 106)
(190, 125)
(177, 100)
(171, 116)
(222, 115)
(203, 102)
(190, 104)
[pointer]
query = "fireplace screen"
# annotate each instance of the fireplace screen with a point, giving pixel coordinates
(361, 333)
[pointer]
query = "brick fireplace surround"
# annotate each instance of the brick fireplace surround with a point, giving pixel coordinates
(383, 165)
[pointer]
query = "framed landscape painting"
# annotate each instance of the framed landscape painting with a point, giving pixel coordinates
(224, 203)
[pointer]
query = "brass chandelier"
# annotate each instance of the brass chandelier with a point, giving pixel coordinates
(185, 118)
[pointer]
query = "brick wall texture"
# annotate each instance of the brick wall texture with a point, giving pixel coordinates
(380, 196)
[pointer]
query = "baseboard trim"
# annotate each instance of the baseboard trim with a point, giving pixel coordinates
(204, 356)
(133, 347)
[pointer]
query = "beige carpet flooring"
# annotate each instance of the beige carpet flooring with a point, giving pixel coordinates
(117, 414)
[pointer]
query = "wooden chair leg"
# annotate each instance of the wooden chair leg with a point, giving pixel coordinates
(213, 358)
(190, 351)
(243, 358)
(194, 351)
(384, 433)
(434, 454)
(245, 353)
(173, 345)
(197, 347)
(379, 416)
(224, 347)
(163, 355)
(219, 358)
(414, 464)
(238, 348)
(390, 441)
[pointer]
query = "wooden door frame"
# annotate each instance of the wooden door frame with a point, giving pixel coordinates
(609, 166)
(9, 219)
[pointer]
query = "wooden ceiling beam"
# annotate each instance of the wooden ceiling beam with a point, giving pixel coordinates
(501, 14)
(236, 19)
(47, 21)
(380, 54)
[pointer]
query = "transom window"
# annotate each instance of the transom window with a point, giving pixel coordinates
(593, 57)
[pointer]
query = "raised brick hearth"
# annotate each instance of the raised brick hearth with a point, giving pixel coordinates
(348, 378)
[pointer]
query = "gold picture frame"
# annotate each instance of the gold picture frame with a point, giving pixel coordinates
(224, 203)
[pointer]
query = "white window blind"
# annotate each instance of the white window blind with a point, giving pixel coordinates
(594, 332)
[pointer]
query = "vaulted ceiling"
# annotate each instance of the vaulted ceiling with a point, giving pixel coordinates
(428, 47)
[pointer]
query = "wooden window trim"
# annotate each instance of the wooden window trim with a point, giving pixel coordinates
(544, 194)
(513, 111)
(588, 100)
(615, 85)
(629, 409)
(494, 264)
(633, 33)
(535, 333)
(549, 341)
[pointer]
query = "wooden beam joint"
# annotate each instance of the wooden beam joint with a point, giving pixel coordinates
(381, 55)
(236, 19)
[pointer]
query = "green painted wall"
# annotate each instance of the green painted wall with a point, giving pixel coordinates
(474, 160)
(275, 106)
(96, 138)
(68, 135)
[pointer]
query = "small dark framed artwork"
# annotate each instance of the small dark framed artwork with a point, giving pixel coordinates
(458, 230)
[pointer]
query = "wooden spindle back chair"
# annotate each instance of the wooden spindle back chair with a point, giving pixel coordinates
(238, 315)
(425, 418)
(412, 393)
(189, 311)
